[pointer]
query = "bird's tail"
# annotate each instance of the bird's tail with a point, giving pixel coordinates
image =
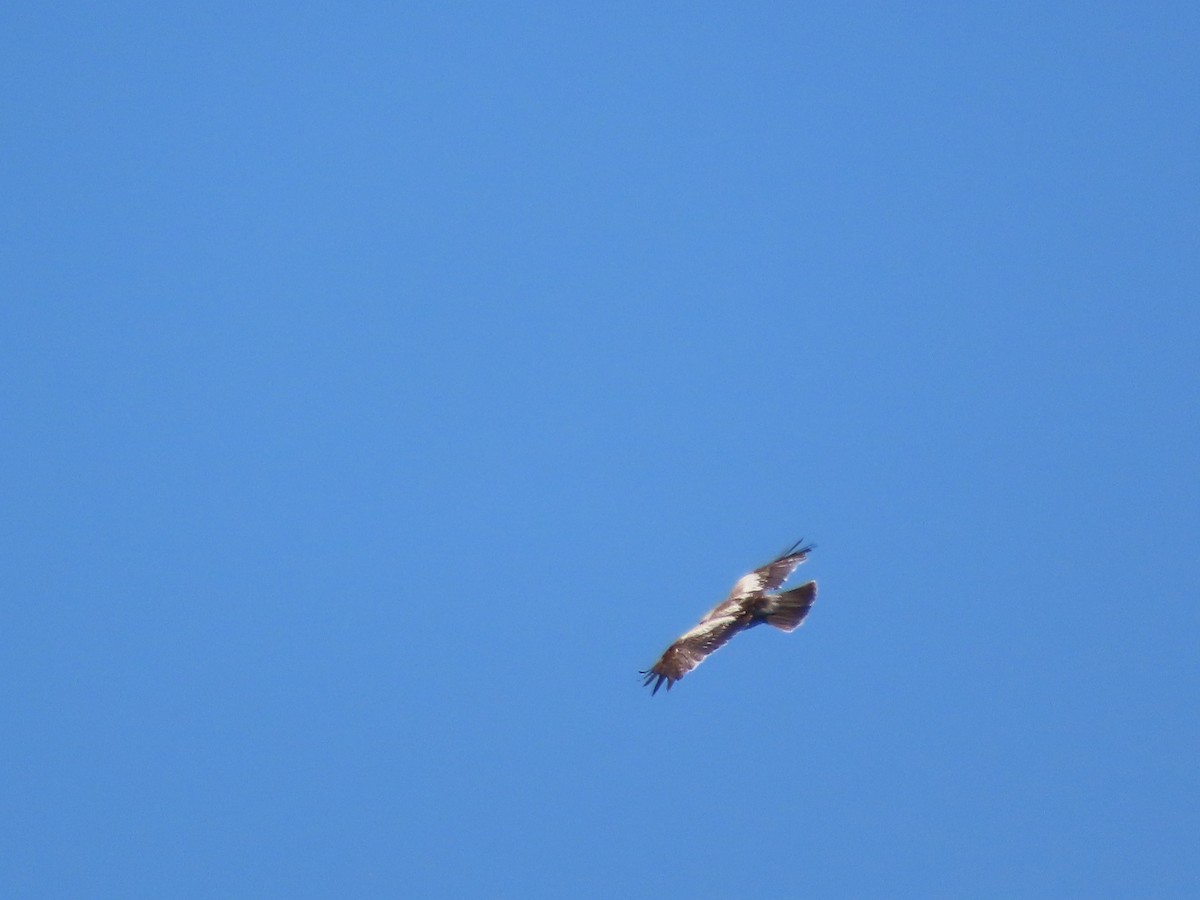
(787, 610)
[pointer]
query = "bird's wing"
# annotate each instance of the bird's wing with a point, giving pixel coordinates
(773, 574)
(691, 649)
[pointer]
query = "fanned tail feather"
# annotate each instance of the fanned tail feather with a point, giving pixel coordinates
(787, 610)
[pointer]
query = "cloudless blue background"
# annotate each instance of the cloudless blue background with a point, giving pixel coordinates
(383, 385)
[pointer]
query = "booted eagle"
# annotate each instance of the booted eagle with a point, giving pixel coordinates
(750, 603)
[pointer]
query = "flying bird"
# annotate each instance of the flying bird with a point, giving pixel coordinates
(751, 602)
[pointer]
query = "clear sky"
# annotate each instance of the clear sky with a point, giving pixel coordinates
(384, 384)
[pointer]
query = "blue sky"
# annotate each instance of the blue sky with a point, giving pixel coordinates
(385, 384)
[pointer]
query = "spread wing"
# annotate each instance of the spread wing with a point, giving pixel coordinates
(773, 574)
(691, 649)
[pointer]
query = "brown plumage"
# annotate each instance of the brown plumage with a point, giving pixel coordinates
(750, 603)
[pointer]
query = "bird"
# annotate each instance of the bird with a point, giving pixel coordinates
(751, 602)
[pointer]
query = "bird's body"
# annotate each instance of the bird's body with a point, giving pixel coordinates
(750, 603)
